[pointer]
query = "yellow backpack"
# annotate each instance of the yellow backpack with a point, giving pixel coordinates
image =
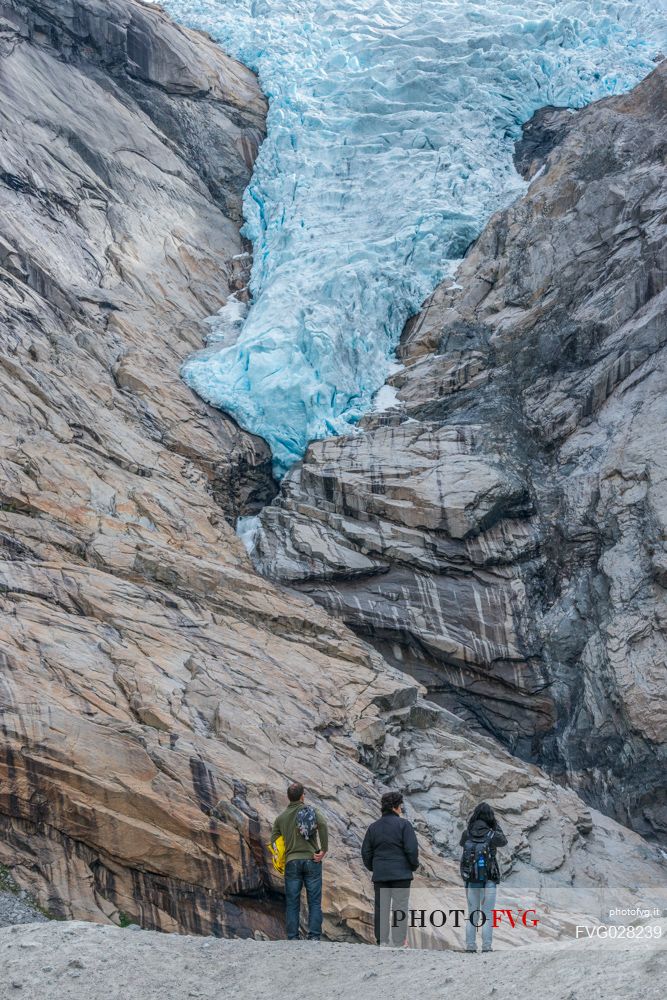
(277, 852)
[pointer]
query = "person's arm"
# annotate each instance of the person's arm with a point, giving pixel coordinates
(367, 850)
(464, 837)
(499, 838)
(410, 845)
(323, 833)
(275, 830)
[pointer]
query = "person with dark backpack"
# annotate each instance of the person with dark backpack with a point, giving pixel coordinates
(390, 851)
(480, 873)
(306, 841)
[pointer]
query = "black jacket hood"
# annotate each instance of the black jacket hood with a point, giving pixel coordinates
(478, 829)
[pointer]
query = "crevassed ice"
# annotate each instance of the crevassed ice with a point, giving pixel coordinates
(390, 139)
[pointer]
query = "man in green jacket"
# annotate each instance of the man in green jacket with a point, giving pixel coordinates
(303, 862)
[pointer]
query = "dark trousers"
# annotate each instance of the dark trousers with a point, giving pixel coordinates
(392, 896)
(298, 874)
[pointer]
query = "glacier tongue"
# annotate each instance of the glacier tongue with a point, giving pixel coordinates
(390, 140)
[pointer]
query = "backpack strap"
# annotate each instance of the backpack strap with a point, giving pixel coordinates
(316, 834)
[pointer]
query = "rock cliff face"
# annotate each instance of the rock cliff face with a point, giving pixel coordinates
(499, 532)
(156, 694)
(127, 144)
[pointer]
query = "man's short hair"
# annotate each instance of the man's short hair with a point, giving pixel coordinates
(295, 791)
(390, 801)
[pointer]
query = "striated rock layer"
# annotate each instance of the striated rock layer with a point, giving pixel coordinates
(499, 532)
(156, 694)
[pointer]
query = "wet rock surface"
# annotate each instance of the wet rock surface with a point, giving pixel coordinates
(499, 532)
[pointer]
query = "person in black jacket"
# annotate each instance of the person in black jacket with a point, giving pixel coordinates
(390, 851)
(483, 828)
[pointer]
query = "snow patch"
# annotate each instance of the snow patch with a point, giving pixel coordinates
(386, 398)
(225, 326)
(247, 528)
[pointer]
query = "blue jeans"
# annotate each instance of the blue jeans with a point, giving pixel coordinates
(481, 900)
(298, 874)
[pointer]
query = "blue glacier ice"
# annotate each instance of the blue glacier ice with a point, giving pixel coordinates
(390, 139)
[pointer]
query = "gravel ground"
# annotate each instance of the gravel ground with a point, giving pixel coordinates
(15, 904)
(77, 961)
(16, 909)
